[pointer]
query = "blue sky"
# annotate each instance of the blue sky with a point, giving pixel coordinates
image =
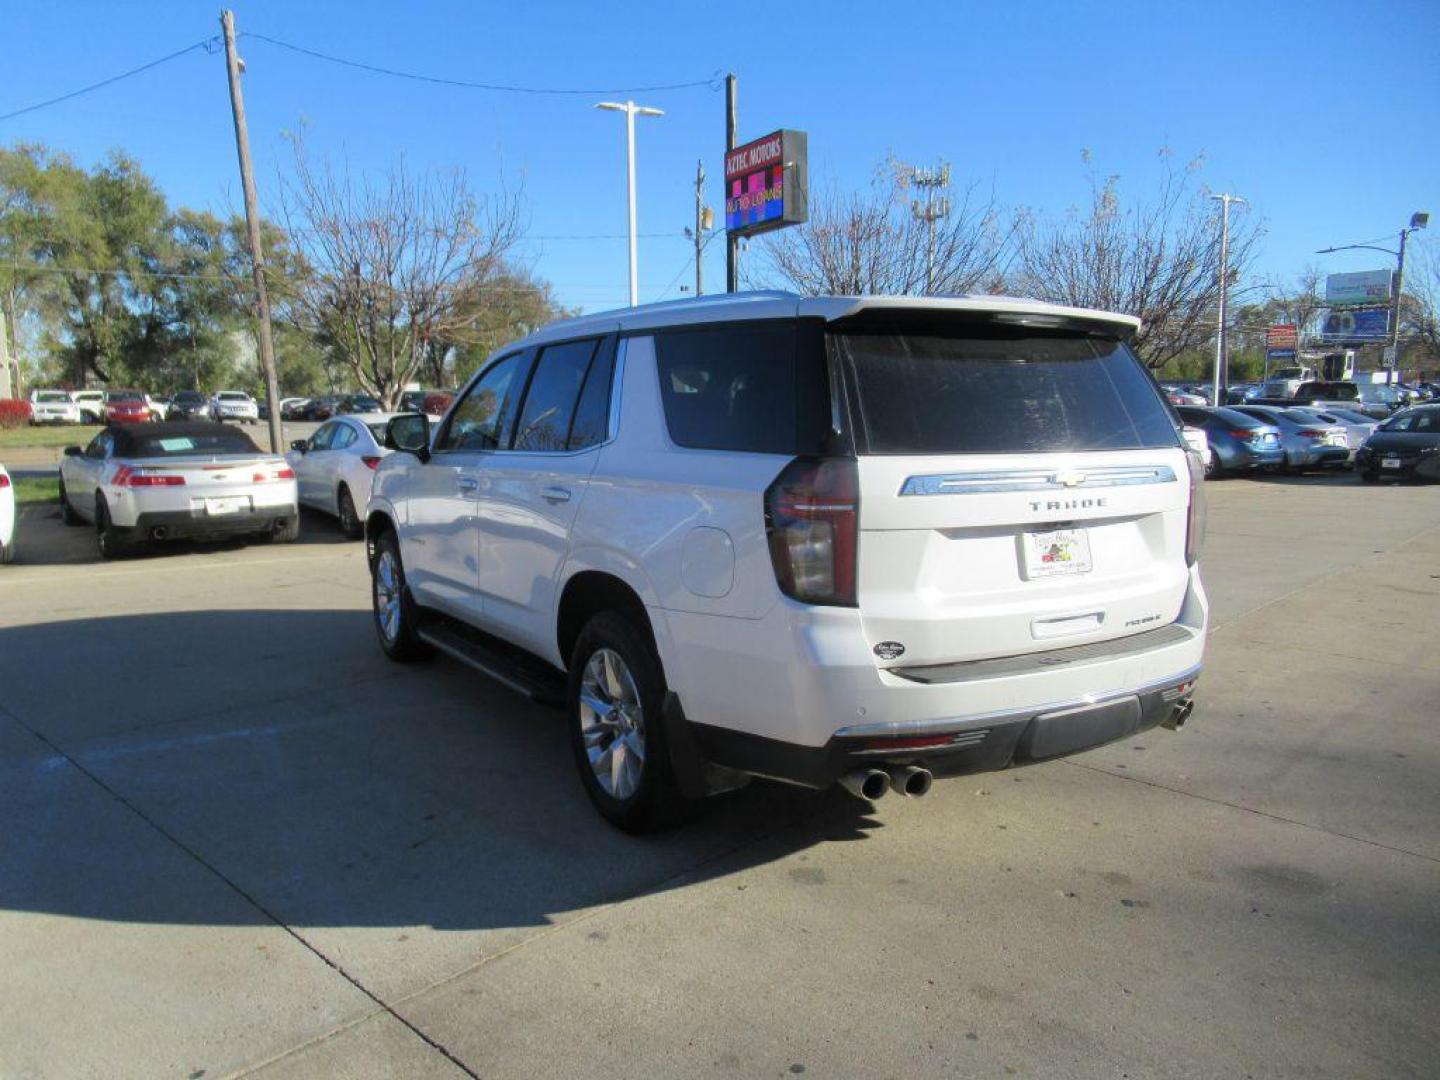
(1323, 114)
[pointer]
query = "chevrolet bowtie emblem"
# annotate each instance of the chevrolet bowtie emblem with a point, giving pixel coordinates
(1068, 478)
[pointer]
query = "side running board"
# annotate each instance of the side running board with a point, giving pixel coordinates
(519, 671)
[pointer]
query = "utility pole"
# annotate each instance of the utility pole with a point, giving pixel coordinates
(1221, 355)
(1392, 373)
(934, 210)
(234, 67)
(704, 222)
(732, 243)
(631, 110)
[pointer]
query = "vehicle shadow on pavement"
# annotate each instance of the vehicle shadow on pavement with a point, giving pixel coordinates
(322, 783)
(43, 539)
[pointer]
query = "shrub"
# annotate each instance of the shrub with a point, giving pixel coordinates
(14, 413)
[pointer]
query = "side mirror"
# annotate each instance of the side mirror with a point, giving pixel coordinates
(73, 451)
(409, 433)
(301, 445)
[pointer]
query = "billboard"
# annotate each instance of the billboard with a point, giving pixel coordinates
(766, 184)
(1364, 287)
(1339, 326)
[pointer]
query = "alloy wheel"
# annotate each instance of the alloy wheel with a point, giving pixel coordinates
(387, 596)
(612, 724)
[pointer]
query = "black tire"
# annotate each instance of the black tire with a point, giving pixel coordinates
(108, 539)
(350, 523)
(67, 512)
(400, 643)
(1370, 476)
(655, 801)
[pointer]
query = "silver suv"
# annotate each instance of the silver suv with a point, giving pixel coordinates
(858, 540)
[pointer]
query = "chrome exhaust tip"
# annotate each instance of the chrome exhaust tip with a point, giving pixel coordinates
(910, 781)
(868, 784)
(1179, 713)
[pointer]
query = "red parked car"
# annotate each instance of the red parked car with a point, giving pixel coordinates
(126, 407)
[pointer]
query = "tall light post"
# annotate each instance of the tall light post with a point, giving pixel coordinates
(1225, 200)
(1418, 220)
(631, 110)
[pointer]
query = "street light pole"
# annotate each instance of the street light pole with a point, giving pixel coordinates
(631, 110)
(1225, 200)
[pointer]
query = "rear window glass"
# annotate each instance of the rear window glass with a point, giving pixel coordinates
(1002, 392)
(51, 397)
(234, 397)
(736, 387)
(124, 395)
(177, 445)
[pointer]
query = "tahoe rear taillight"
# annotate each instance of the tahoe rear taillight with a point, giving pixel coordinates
(812, 520)
(1195, 515)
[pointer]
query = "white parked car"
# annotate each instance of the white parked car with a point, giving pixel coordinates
(7, 517)
(234, 405)
(1197, 440)
(857, 540)
(91, 404)
(1358, 426)
(53, 407)
(138, 484)
(159, 407)
(335, 467)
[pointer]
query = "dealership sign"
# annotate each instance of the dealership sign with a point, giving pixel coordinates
(1282, 336)
(1345, 326)
(766, 184)
(1365, 287)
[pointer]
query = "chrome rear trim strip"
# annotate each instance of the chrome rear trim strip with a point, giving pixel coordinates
(972, 483)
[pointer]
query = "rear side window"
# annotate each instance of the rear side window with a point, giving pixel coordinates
(554, 390)
(592, 414)
(344, 436)
(1002, 391)
(738, 387)
(483, 420)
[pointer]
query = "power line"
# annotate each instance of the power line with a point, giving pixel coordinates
(712, 82)
(207, 44)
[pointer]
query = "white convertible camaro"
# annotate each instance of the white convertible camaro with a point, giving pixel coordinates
(138, 483)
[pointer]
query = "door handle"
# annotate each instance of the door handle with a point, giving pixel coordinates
(555, 495)
(468, 485)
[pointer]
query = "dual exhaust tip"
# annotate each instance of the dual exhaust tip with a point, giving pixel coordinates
(871, 784)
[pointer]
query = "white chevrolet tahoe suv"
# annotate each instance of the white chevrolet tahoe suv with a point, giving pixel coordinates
(857, 540)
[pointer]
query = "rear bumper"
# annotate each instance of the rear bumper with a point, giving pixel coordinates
(976, 744)
(182, 525)
(1248, 457)
(798, 695)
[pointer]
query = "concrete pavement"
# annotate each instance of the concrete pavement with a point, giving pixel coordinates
(238, 842)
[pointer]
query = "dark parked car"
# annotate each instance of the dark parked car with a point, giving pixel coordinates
(1408, 444)
(430, 402)
(1238, 443)
(357, 403)
(188, 405)
(320, 408)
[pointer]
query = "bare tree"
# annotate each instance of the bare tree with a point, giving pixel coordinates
(1420, 311)
(396, 267)
(869, 242)
(1157, 259)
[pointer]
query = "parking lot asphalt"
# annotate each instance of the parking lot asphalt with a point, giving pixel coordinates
(235, 840)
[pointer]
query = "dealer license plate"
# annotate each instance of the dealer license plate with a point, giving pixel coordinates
(232, 505)
(1051, 552)
(1390, 463)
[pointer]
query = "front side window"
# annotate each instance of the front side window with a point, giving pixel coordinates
(321, 439)
(1000, 390)
(482, 421)
(554, 390)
